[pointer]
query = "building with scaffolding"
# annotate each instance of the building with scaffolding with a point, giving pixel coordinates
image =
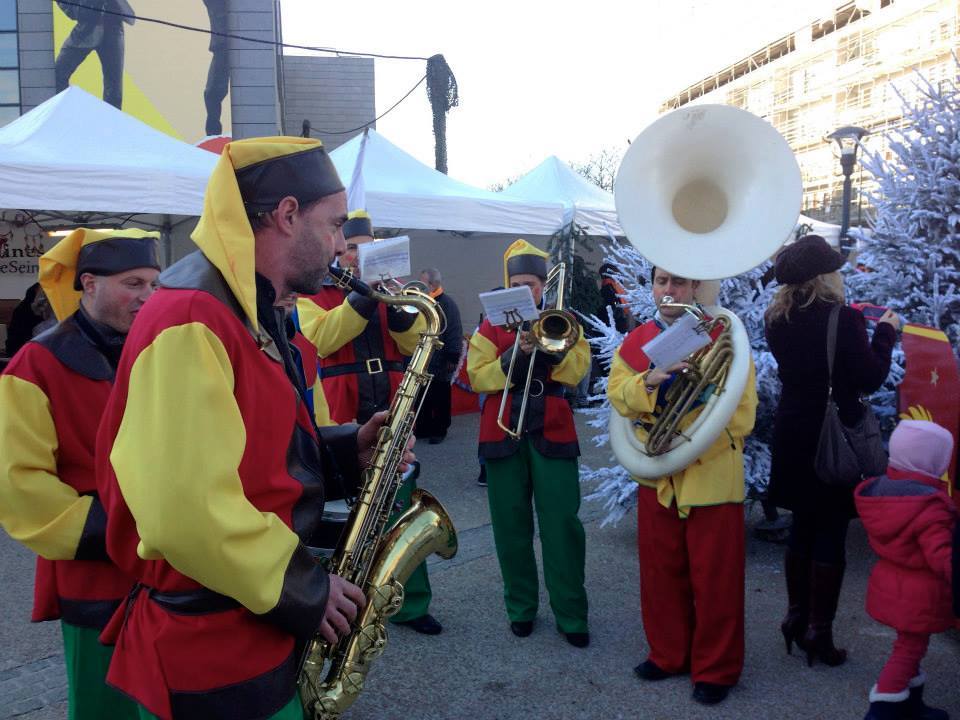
(846, 69)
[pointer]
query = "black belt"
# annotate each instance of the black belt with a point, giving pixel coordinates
(192, 602)
(373, 366)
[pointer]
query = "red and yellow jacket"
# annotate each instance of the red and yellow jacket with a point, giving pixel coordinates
(549, 422)
(714, 478)
(362, 346)
(214, 484)
(52, 396)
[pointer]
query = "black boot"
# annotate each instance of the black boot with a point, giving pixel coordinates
(888, 706)
(794, 625)
(825, 583)
(916, 708)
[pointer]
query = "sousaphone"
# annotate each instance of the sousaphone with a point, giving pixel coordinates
(706, 192)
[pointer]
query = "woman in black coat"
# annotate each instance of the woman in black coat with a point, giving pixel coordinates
(796, 329)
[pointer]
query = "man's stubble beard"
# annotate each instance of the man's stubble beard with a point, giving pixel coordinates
(306, 273)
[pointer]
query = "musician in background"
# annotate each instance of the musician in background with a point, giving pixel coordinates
(52, 396)
(362, 346)
(539, 470)
(434, 418)
(690, 526)
(208, 465)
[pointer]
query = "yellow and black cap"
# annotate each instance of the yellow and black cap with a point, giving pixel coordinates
(522, 258)
(307, 175)
(358, 224)
(116, 254)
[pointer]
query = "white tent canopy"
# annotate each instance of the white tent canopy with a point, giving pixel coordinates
(76, 153)
(402, 192)
(828, 231)
(585, 203)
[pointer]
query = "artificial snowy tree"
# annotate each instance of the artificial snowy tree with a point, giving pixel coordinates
(911, 263)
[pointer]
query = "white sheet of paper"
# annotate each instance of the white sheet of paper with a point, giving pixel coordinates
(498, 304)
(676, 342)
(384, 259)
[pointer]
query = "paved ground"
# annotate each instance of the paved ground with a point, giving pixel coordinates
(478, 670)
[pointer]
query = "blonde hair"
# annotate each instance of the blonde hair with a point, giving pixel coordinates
(825, 288)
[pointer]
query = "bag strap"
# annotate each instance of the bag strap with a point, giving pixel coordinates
(832, 324)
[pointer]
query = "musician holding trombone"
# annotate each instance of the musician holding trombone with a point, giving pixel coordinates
(690, 525)
(531, 458)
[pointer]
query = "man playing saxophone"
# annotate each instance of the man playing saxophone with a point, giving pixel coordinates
(363, 346)
(208, 464)
(690, 526)
(537, 470)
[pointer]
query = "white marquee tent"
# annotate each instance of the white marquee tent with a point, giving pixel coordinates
(77, 153)
(584, 203)
(402, 192)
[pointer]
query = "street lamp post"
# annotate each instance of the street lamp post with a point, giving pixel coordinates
(848, 138)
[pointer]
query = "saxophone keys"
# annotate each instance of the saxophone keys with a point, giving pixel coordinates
(387, 599)
(371, 641)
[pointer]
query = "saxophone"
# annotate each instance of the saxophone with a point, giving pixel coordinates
(371, 554)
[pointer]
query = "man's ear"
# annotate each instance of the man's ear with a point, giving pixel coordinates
(286, 212)
(88, 283)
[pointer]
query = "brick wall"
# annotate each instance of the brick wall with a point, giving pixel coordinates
(253, 69)
(335, 94)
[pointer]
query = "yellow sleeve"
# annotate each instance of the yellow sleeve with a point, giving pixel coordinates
(741, 424)
(483, 365)
(407, 339)
(321, 409)
(36, 509)
(176, 457)
(627, 390)
(574, 365)
(329, 330)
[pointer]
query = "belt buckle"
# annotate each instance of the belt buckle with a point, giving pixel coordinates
(540, 390)
(374, 366)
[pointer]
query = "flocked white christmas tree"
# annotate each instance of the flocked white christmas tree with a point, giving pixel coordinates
(911, 260)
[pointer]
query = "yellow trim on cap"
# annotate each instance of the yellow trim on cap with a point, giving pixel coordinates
(58, 266)
(224, 234)
(354, 214)
(520, 247)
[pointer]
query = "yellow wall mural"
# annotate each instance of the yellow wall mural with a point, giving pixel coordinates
(175, 80)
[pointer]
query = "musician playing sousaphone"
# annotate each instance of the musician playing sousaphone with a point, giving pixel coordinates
(690, 524)
(538, 469)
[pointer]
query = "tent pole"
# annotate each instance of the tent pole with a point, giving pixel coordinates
(166, 240)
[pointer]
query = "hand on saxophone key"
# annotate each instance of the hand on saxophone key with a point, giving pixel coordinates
(367, 442)
(344, 601)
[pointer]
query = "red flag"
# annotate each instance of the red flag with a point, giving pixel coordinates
(931, 387)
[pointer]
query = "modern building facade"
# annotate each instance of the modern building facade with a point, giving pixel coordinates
(846, 69)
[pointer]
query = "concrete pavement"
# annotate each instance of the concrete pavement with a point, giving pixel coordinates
(478, 670)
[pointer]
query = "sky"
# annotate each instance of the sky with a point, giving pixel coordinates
(537, 78)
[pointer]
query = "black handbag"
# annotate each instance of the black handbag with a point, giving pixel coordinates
(846, 454)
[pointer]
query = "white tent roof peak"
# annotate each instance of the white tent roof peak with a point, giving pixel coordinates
(586, 203)
(75, 152)
(402, 192)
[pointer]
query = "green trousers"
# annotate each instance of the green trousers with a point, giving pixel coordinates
(293, 710)
(87, 662)
(517, 485)
(416, 591)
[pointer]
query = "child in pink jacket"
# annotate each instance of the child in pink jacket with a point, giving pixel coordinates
(909, 519)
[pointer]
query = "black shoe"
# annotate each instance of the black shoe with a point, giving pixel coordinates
(707, 693)
(649, 670)
(521, 628)
(436, 439)
(482, 477)
(580, 640)
(425, 625)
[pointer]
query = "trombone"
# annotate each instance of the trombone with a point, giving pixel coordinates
(555, 331)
